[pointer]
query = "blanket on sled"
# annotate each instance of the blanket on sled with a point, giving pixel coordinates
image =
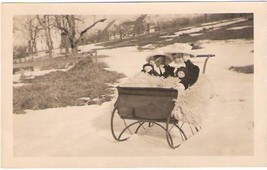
(191, 105)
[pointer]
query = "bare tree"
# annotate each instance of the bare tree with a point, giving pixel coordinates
(105, 32)
(139, 24)
(28, 26)
(69, 29)
(60, 22)
(120, 30)
(45, 22)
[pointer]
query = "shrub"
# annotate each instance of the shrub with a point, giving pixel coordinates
(20, 51)
(249, 69)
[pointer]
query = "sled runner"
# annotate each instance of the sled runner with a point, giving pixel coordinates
(144, 107)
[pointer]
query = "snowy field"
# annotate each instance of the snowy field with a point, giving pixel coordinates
(213, 26)
(85, 130)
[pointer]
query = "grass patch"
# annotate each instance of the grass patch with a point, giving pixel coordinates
(65, 62)
(59, 63)
(60, 89)
(243, 69)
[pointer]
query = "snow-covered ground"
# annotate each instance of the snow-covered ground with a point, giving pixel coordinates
(197, 29)
(85, 130)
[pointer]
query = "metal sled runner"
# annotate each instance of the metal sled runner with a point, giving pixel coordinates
(146, 105)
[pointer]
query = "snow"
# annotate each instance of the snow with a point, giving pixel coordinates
(149, 46)
(197, 29)
(196, 34)
(126, 60)
(85, 130)
(239, 28)
(90, 47)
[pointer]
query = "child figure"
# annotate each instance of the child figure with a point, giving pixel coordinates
(182, 73)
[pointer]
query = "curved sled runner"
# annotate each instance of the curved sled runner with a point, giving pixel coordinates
(146, 105)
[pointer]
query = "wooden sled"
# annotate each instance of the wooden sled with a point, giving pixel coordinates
(150, 106)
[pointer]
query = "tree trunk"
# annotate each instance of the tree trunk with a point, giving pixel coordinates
(74, 50)
(67, 51)
(48, 43)
(30, 50)
(45, 23)
(49, 39)
(73, 46)
(64, 42)
(34, 40)
(34, 47)
(49, 35)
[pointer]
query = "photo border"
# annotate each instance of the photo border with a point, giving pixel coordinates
(259, 9)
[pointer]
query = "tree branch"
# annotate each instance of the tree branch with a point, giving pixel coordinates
(41, 22)
(78, 19)
(58, 25)
(86, 29)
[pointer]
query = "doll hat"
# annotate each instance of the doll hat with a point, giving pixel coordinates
(157, 54)
(179, 48)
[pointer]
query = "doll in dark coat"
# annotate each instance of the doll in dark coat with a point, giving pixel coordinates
(182, 74)
(193, 70)
(149, 68)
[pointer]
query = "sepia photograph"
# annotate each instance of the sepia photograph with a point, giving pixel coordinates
(135, 85)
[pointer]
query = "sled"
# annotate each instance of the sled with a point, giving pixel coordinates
(145, 107)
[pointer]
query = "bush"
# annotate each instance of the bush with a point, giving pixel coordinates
(20, 51)
(249, 69)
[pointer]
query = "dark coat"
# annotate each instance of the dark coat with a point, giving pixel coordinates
(185, 82)
(169, 71)
(193, 72)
